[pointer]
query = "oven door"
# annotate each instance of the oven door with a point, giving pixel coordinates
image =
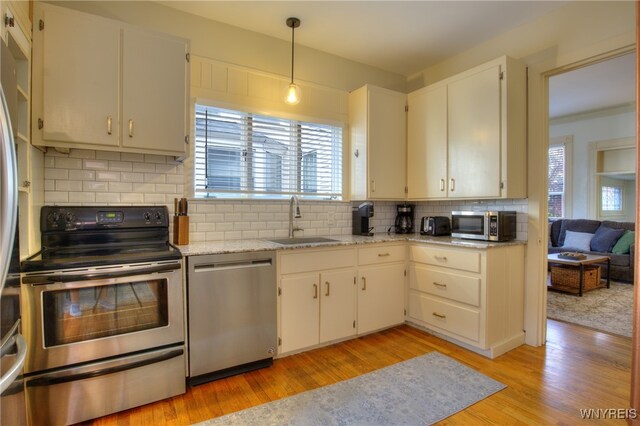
(472, 225)
(76, 316)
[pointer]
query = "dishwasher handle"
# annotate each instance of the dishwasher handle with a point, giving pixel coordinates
(225, 266)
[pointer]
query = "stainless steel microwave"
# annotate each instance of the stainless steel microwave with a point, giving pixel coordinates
(485, 226)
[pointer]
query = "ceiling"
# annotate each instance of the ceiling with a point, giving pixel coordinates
(403, 37)
(596, 87)
(406, 37)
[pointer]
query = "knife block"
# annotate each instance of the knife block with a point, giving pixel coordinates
(181, 230)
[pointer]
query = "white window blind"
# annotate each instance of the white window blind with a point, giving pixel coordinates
(557, 187)
(245, 155)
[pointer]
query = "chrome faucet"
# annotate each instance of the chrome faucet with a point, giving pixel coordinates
(294, 201)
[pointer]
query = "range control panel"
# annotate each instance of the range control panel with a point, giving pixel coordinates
(63, 218)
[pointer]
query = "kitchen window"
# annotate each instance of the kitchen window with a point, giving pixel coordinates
(245, 155)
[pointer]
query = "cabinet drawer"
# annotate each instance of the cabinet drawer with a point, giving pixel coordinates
(464, 260)
(458, 320)
(381, 254)
(457, 287)
(305, 261)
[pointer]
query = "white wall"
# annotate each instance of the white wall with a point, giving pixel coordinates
(611, 124)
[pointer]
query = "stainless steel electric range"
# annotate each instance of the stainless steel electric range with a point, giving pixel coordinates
(103, 317)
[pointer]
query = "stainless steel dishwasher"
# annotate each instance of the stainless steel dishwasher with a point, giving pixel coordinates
(231, 314)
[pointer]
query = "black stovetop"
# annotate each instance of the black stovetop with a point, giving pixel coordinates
(85, 237)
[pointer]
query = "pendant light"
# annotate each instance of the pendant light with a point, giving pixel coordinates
(293, 91)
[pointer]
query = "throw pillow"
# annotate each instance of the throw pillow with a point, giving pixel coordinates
(624, 243)
(577, 240)
(605, 238)
(577, 225)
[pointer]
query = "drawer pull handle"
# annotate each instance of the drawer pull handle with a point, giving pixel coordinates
(383, 254)
(109, 124)
(439, 284)
(442, 185)
(315, 291)
(328, 288)
(130, 128)
(441, 258)
(435, 314)
(364, 283)
(452, 184)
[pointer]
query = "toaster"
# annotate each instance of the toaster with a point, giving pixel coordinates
(435, 225)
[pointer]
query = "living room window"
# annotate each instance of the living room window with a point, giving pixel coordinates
(556, 181)
(246, 155)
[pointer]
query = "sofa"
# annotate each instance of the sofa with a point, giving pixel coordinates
(597, 237)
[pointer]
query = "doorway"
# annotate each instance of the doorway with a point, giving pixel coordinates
(592, 183)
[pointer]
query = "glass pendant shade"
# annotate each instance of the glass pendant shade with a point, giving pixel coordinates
(293, 94)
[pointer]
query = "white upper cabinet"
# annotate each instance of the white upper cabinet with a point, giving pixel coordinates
(467, 135)
(103, 84)
(153, 91)
(377, 119)
(427, 143)
(80, 71)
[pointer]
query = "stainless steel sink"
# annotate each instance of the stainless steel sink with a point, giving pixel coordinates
(302, 240)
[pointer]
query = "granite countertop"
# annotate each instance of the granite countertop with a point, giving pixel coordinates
(238, 246)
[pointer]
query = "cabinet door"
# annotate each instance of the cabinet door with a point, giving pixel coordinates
(81, 68)
(380, 297)
(386, 144)
(154, 91)
(299, 311)
(337, 306)
(427, 143)
(474, 135)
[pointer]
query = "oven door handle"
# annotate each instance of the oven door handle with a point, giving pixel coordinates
(64, 278)
(57, 379)
(21, 344)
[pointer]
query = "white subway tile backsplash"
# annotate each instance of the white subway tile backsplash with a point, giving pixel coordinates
(82, 197)
(97, 164)
(95, 177)
(120, 166)
(133, 198)
(56, 174)
(82, 175)
(91, 186)
(68, 185)
(120, 187)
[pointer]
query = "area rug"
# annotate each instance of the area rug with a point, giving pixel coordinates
(605, 309)
(419, 391)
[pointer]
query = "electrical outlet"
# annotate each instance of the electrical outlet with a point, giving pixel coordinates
(331, 219)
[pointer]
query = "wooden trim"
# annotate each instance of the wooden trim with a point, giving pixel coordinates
(635, 347)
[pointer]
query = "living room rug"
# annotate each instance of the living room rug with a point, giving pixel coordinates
(419, 391)
(605, 309)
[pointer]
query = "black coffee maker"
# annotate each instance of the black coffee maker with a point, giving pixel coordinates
(360, 218)
(404, 218)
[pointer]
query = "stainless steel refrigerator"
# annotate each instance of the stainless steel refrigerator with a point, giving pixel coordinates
(13, 347)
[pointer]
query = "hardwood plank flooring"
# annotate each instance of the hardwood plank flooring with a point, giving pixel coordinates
(578, 369)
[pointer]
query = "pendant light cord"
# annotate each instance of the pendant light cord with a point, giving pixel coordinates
(293, 31)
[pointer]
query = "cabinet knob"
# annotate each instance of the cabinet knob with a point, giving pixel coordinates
(9, 21)
(357, 153)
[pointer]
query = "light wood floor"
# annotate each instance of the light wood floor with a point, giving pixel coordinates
(578, 368)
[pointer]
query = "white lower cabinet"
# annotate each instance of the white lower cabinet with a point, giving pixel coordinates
(317, 297)
(332, 294)
(471, 296)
